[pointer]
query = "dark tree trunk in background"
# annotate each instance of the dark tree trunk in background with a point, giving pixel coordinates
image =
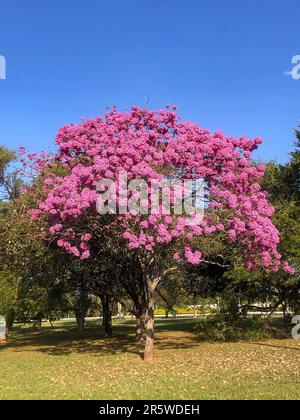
(107, 307)
(38, 324)
(103, 317)
(80, 319)
(81, 309)
(233, 308)
(285, 310)
(10, 319)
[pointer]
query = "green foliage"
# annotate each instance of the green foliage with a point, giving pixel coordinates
(215, 328)
(10, 183)
(8, 296)
(170, 292)
(6, 157)
(220, 327)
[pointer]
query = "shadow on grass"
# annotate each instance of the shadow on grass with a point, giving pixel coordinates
(63, 339)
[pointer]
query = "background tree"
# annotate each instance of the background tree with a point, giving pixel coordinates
(10, 182)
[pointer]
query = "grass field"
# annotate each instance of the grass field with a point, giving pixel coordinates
(56, 364)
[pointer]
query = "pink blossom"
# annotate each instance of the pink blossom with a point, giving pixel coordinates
(87, 237)
(288, 269)
(85, 255)
(148, 144)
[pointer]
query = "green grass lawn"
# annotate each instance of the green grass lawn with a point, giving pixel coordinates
(56, 364)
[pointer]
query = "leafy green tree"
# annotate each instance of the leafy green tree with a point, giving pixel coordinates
(8, 296)
(10, 182)
(31, 271)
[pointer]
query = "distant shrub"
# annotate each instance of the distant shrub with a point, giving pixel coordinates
(215, 328)
(218, 327)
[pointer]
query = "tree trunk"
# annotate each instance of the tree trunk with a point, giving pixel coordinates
(107, 306)
(149, 345)
(38, 325)
(82, 305)
(10, 319)
(285, 310)
(140, 329)
(167, 313)
(80, 319)
(120, 311)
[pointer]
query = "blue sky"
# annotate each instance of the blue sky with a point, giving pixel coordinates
(221, 61)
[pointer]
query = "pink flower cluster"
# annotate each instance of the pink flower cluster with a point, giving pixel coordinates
(149, 144)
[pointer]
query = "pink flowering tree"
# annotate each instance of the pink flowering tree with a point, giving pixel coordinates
(152, 146)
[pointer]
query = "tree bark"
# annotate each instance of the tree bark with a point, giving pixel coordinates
(107, 306)
(80, 319)
(140, 329)
(10, 318)
(149, 344)
(38, 325)
(82, 305)
(103, 316)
